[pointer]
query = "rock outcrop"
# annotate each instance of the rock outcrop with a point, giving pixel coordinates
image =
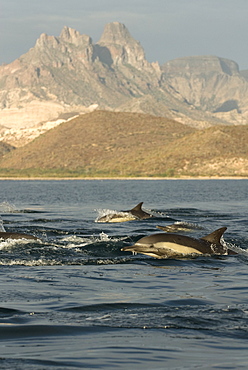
(123, 48)
(70, 73)
(210, 84)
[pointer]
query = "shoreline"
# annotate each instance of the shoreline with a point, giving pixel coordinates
(123, 178)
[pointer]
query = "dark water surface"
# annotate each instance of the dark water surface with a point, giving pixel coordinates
(75, 301)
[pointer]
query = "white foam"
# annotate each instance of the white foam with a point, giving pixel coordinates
(2, 229)
(6, 207)
(235, 248)
(75, 241)
(109, 213)
(10, 243)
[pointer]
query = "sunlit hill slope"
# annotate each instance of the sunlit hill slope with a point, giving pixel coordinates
(109, 144)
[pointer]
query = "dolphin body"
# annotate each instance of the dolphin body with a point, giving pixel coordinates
(135, 213)
(165, 245)
(179, 226)
(9, 235)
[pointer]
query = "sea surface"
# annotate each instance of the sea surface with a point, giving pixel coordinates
(74, 300)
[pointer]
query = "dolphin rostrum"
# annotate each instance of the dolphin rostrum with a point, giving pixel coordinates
(9, 235)
(164, 245)
(135, 213)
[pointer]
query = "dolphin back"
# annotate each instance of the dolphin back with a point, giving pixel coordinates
(9, 235)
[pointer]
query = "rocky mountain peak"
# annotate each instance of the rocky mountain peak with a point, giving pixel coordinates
(122, 46)
(45, 41)
(67, 35)
(69, 73)
(116, 33)
(74, 37)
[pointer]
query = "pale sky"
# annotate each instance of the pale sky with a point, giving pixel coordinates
(167, 29)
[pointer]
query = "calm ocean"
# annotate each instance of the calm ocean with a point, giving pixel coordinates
(75, 301)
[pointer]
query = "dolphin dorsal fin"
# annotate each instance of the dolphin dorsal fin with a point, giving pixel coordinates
(215, 236)
(138, 207)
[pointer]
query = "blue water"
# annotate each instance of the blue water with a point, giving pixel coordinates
(75, 301)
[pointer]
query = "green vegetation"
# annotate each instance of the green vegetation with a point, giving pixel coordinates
(79, 173)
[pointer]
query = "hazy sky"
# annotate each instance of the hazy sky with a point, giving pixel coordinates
(167, 29)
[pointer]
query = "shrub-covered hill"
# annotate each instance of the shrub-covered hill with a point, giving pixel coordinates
(104, 143)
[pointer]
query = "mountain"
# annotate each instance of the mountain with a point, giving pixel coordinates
(70, 73)
(210, 84)
(105, 143)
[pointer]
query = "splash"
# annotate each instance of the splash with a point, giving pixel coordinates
(76, 241)
(2, 229)
(22, 262)
(11, 243)
(235, 248)
(108, 215)
(55, 262)
(189, 225)
(6, 207)
(104, 237)
(181, 226)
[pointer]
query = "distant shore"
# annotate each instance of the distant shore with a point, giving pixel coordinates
(126, 178)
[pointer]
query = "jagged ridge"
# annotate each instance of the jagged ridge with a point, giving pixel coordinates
(70, 72)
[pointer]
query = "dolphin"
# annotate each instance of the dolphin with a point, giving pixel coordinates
(135, 213)
(180, 226)
(164, 245)
(9, 235)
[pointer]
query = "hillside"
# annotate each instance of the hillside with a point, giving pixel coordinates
(215, 151)
(5, 148)
(105, 143)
